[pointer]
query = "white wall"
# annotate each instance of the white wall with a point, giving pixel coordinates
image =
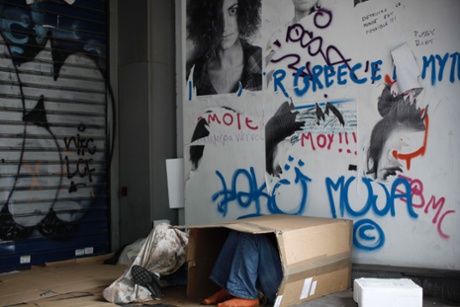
(412, 219)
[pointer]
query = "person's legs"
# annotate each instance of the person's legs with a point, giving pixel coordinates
(269, 271)
(231, 271)
(247, 263)
(242, 277)
(221, 270)
(223, 264)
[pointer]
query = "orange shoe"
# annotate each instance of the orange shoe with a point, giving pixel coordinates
(218, 297)
(239, 302)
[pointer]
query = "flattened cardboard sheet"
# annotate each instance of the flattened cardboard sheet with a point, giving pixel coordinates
(56, 279)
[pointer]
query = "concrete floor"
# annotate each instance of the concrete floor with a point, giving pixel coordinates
(82, 283)
(175, 297)
(345, 299)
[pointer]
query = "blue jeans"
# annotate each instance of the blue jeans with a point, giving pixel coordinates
(247, 264)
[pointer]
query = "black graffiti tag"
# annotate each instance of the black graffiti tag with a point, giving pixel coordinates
(82, 166)
(313, 45)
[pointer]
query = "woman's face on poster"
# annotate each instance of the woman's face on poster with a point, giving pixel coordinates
(230, 18)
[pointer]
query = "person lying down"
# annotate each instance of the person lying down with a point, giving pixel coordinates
(247, 270)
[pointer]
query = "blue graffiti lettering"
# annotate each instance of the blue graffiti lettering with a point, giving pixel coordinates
(324, 76)
(306, 81)
(375, 68)
(256, 194)
(439, 64)
(301, 179)
(278, 77)
(365, 241)
(243, 198)
(353, 76)
(342, 187)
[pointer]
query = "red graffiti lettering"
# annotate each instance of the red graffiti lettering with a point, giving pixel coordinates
(325, 141)
(437, 205)
(230, 119)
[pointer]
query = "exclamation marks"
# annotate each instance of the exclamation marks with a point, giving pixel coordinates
(347, 140)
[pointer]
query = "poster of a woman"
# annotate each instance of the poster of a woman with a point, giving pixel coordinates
(222, 58)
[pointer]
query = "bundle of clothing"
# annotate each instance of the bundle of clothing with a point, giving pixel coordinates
(160, 261)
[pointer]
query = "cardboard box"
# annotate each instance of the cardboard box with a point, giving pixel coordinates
(315, 254)
(383, 292)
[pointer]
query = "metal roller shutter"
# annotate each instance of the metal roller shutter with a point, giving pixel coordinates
(54, 145)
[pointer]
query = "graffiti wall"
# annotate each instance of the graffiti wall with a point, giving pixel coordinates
(53, 125)
(341, 109)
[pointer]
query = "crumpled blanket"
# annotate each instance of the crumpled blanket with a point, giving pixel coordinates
(163, 252)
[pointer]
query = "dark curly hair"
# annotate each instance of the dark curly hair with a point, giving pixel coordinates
(205, 24)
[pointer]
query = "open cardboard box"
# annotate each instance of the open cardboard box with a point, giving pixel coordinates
(315, 254)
